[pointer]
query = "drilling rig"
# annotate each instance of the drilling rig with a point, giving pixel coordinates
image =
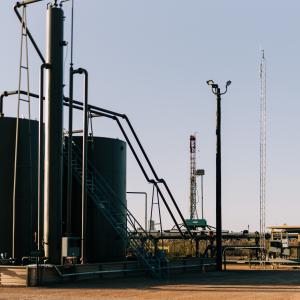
(194, 222)
(193, 180)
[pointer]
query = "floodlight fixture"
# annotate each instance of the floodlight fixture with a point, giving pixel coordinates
(210, 82)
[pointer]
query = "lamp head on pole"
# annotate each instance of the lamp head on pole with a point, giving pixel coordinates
(213, 85)
(210, 82)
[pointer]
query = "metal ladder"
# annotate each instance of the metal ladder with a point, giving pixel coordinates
(23, 66)
(130, 231)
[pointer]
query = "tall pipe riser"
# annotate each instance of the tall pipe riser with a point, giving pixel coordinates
(53, 135)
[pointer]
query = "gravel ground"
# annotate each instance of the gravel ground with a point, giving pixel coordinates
(231, 285)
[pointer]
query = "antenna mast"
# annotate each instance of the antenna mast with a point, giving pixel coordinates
(262, 194)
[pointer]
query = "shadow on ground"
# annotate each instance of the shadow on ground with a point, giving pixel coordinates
(277, 280)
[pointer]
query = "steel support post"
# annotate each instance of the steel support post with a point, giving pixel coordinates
(218, 185)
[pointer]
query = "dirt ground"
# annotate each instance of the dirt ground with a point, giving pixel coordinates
(232, 284)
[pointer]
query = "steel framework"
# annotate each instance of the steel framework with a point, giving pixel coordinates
(263, 144)
(193, 180)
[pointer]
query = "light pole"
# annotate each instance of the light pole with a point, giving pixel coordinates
(217, 91)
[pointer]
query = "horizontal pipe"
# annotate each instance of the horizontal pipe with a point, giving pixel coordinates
(145, 174)
(15, 92)
(155, 175)
(11, 93)
(188, 266)
(106, 113)
(96, 108)
(79, 104)
(95, 272)
(74, 131)
(237, 247)
(26, 2)
(146, 157)
(130, 270)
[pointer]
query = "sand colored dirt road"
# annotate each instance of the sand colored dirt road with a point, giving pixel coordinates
(231, 285)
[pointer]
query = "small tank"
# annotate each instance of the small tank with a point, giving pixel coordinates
(108, 157)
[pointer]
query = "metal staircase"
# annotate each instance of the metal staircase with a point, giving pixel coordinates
(122, 220)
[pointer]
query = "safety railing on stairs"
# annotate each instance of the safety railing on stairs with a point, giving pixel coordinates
(117, 214)
(160, 184)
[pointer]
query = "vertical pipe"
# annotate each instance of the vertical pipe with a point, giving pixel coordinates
(84, 167)
(202, 214)
(218, 185)
(70, 183)
(70, 173)
(53, 135)
(146, 205)
(1, 105)
(40, 170)
(41, 154)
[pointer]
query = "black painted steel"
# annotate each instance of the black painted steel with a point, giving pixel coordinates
(53, 136)
(218, 185)
(26, 192)
(27, 2)
(114, 116)
(216, 91)
(103, 243)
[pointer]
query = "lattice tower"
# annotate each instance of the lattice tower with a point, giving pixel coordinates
(263, 144)
(193, 182)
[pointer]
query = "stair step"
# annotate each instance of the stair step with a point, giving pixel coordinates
(100, 191)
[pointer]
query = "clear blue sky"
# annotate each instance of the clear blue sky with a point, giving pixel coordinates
(151, 60)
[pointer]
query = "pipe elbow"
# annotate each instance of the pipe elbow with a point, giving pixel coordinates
(46, 66)
(80, 71)
(4, 94)
(17, 5)
(83, 71)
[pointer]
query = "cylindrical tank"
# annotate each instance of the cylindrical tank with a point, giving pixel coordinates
(26, 186)
(53, 135)
(108, 156)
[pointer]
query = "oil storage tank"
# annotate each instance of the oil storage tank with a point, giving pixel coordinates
(108, 157)
(26, 186)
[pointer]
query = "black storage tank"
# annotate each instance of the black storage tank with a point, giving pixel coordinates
(26, 187)
(108, 156)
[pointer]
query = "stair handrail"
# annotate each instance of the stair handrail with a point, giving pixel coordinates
(77, 150)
